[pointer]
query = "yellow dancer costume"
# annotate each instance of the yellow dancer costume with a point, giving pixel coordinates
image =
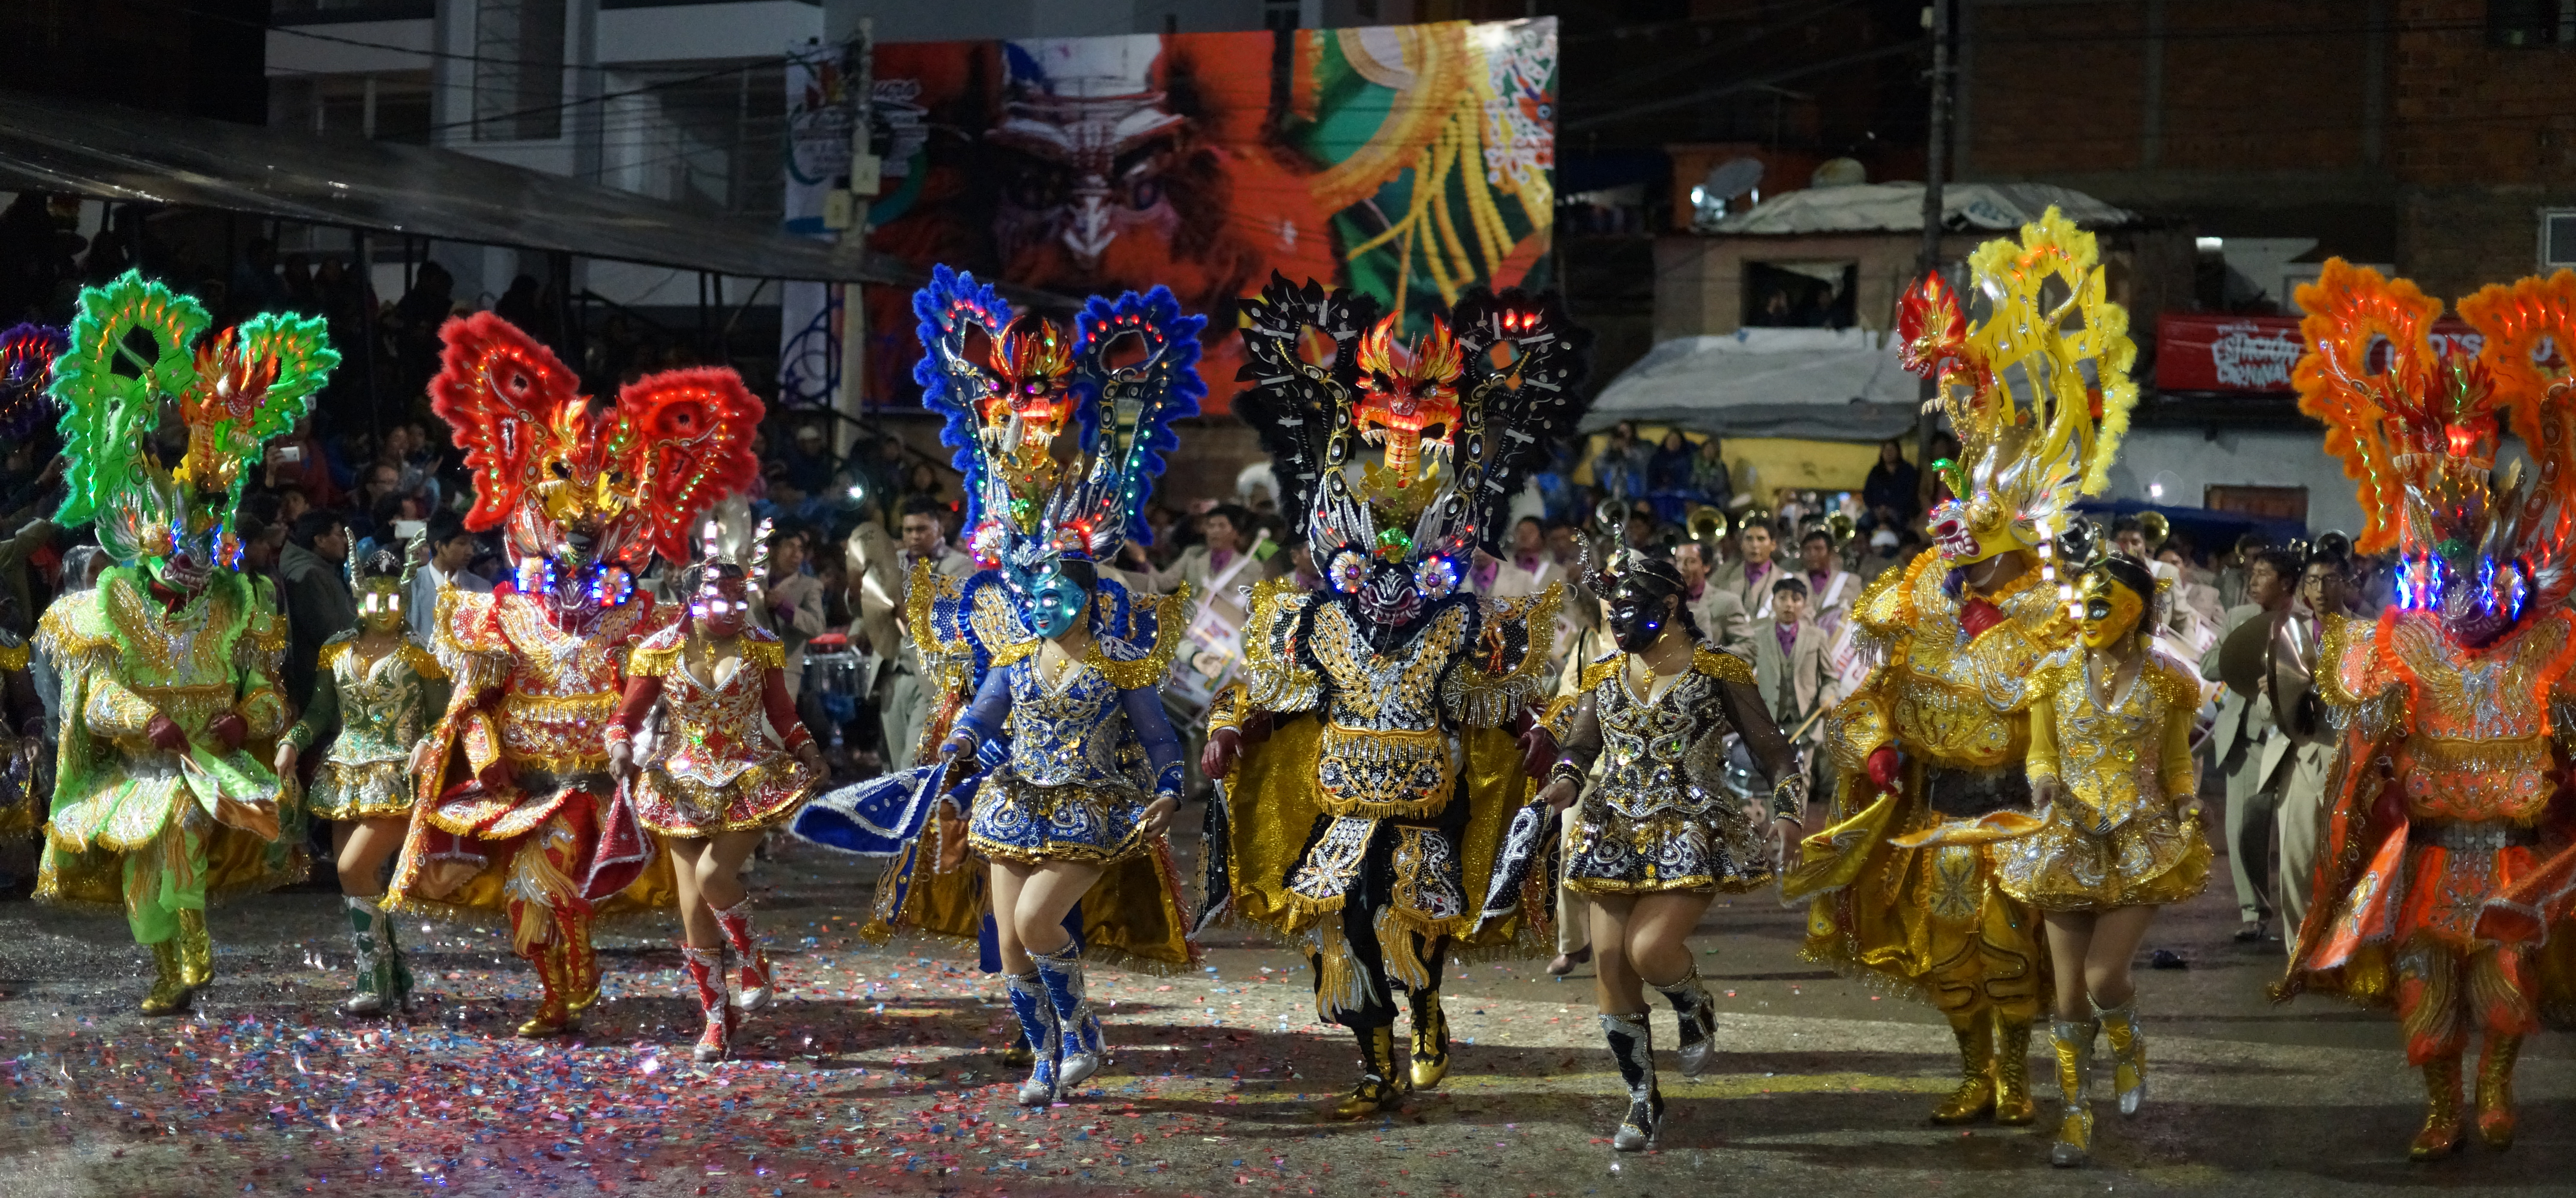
(170, 704)
(2444, 862)
(1365, 833)
(1938, 731)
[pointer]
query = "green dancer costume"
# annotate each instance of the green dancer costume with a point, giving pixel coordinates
(170, 694)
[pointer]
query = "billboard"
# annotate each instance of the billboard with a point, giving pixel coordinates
(1410, 162)
(2208, 352)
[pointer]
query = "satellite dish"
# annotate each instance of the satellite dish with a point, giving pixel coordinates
(1732, 178)
(1841, 172)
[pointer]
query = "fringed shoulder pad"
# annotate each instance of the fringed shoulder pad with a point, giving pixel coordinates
(656, 655)
(74, 627)
(1720, 664)
(1602, 669)
(2176, 681)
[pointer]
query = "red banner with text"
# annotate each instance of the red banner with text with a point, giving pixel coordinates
(2206, 352)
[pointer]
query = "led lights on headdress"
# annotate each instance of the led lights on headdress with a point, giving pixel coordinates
(2037, 389)
(589, 485)
(27, 354)
(2420, 432)
(1457, 432)
(234, 393)
(1009, 384)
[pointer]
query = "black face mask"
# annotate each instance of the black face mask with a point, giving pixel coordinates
(1637, 616)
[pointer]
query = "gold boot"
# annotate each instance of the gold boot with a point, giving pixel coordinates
(1975, 1096)
(1377, 1090)
(2013, 1107)
(2128, 1055)
(170, 990)
(196, 953)
(2495, 1090)
(2073, 1044)
(2441, 1134)
(1430, 1060)
(554, 1014)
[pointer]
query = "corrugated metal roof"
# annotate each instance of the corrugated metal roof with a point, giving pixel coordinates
(1898, 207)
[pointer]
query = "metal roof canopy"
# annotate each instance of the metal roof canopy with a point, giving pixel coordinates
(1898, 208)
(126, 155)
(1808, 384)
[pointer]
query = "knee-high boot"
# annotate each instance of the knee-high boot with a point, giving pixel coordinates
(1039, 1026)
(1698, 1015)
(705, 970)
(2128, 1054)
(2013, 1107)
(1975, 1096)
(736, 922)
(1067, 992)
(2441, 1134)
(380, 987)
(2073, 1044)
(1430, 1061)
(1377, 1090)
(1632, 1044)
(2495, 1089)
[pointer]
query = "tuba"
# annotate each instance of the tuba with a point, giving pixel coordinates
(2157, 528)
(1707, 525)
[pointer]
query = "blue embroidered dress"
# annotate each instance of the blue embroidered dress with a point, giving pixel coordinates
(1086, 757)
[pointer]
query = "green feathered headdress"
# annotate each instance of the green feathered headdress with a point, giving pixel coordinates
(134, 361)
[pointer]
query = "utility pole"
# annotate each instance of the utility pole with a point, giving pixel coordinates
(1936, 18)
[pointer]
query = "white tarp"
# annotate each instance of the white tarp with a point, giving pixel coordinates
(1898, 207)
(1816, 384)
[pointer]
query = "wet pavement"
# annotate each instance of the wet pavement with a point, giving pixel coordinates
(875, 1073)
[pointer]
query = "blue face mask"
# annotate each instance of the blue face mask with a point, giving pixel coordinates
(1055, 602)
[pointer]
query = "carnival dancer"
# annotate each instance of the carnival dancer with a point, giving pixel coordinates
(516, 813)
(1347, 833)
(377, 691)
(2431, 891)
(1658, 835)
(170, 698)
(1064, 759)
(732, 761)
(1938, 730)
(2117, 834)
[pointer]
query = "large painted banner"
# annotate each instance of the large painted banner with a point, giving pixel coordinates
(1408, 161)
(2208, 352)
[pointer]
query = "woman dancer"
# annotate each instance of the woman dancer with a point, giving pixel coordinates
(732, 760)
(379, 691)
(2118, 836)
(1659, 836)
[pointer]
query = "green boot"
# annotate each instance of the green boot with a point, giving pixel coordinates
(379, 988)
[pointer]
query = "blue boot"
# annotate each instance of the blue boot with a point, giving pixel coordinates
(1038, 1024)
(1080, 1030)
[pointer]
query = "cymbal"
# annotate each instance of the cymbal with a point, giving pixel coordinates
(2241, 656)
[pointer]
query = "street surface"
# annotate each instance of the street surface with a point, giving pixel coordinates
(875, 1074)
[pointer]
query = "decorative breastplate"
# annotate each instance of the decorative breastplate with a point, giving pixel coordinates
(1076, 736)
(1959, 700)
(714, 726)
(2107, 758)
(565, 685)
(1385, 754)
(2480, 749)
(179, 662)
(383, 705)
(1659, 756)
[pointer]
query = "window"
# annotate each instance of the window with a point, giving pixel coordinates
(518, 70)
(2531, 22)
(2557, 237)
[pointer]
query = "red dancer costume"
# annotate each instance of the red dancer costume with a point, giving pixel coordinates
(515, 811)
(2446, 792)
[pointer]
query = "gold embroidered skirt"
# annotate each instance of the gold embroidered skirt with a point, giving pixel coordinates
(1016, 820)
(354, 790)
(2156, 856)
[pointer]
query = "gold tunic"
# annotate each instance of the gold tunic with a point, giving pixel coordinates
(2123, 831)
(1930, 921)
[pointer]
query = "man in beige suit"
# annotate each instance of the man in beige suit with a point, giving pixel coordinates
(2298, 754)
(1721, 615)
(882, 576)
(1789, 665)
(1749, 578)
(2236, 745)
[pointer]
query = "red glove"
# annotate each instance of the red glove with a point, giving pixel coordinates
(165, 734)
(1224, 747)
(1538, 745)
(1256, 727)
(229, 729)
(1977, 615)
(1883, 767)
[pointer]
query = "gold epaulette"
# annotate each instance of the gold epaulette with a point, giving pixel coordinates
(1599, 670)
(1721, 665)
(1171, 619)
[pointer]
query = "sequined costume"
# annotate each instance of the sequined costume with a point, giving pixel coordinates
(1938, 730)
(726, 759)
(2124, 831)
(2441, 879)
(26, 777)
(515, 811)
(372, 713)
(1052, 766)
(170, 703)
(1364, 827)
(1659, 817)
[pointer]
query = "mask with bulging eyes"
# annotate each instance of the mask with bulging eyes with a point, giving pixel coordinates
(2111, 610)
(1055, 596)
(380, 604)
(1638, 614)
